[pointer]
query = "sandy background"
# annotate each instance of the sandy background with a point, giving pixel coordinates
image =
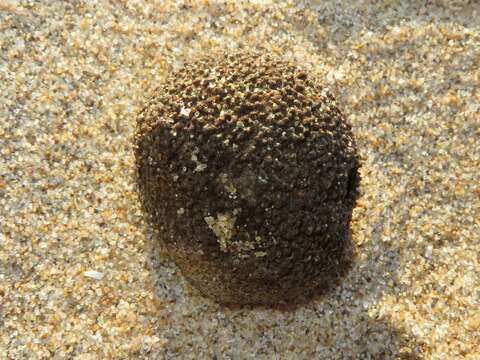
(79, 279)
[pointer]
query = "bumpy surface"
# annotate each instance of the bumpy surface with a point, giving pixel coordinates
(248, 170)
(76, 279)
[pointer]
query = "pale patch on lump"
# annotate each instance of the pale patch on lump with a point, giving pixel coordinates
(73, 76)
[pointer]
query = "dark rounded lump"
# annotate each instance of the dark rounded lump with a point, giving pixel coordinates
(247, 170)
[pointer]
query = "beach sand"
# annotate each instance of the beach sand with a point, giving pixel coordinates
(80, 278)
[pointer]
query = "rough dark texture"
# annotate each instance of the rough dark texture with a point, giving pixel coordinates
(248, 170)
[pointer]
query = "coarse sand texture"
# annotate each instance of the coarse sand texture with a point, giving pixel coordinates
(247, 170)
(83, 276)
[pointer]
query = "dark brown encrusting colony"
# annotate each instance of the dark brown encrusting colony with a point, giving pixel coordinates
(248, 170)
